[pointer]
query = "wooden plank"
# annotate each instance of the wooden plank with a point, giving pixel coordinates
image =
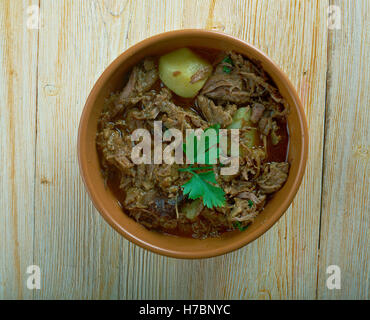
(283, 262)
(18, 56)
(80, 256)
(77, 251)
(345, 231)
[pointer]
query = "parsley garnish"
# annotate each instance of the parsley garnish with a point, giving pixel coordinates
(250, 203)
(228, 60)
(203, 184)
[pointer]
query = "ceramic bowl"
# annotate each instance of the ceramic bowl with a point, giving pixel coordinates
(106, 203)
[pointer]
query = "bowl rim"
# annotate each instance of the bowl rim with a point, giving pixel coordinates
(268, 223)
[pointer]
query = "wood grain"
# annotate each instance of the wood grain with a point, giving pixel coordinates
(345, 231)
(283, 262)
(77, 251)
(47, 218)
(18, 72)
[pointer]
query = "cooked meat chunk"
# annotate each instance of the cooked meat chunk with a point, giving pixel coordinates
(265, 124)
(179, 118)
(245, 65)
(239, 81)
(273, 177)
(142, 78)
(147, 76)
(252, 196)
(215, 114)
(225, 88)
(257, 112)
(243, 211)
(115, 148)
(129, 90)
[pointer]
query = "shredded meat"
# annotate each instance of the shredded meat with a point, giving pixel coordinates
(152, 193)
(142, 78)
(243, 82)
(257, 112)
(225, 88)
(273, 176)
(215, 114)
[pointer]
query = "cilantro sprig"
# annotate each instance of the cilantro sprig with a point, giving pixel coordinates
(203, 183)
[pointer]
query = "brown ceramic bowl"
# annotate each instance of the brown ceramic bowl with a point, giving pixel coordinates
(106, 203)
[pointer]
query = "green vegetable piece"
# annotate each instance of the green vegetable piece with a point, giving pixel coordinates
(241, 119)
(250, 203)
(226, 69)
(238, 225)
(227, 59)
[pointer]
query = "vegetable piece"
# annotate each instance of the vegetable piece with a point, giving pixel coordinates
(241, 119)
(183, 72)
(228, 60)
(226, 69)
(201, 186)
(192, 209)
(238, 225)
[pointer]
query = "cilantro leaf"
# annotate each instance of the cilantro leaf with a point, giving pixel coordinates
(204, 184)
(199, 186)
(208, 176)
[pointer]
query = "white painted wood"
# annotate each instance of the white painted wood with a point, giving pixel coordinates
(77, 251)
(345, 231)
(46, 215)
(18, 72)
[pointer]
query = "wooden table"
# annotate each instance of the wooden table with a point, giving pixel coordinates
(48, 220)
